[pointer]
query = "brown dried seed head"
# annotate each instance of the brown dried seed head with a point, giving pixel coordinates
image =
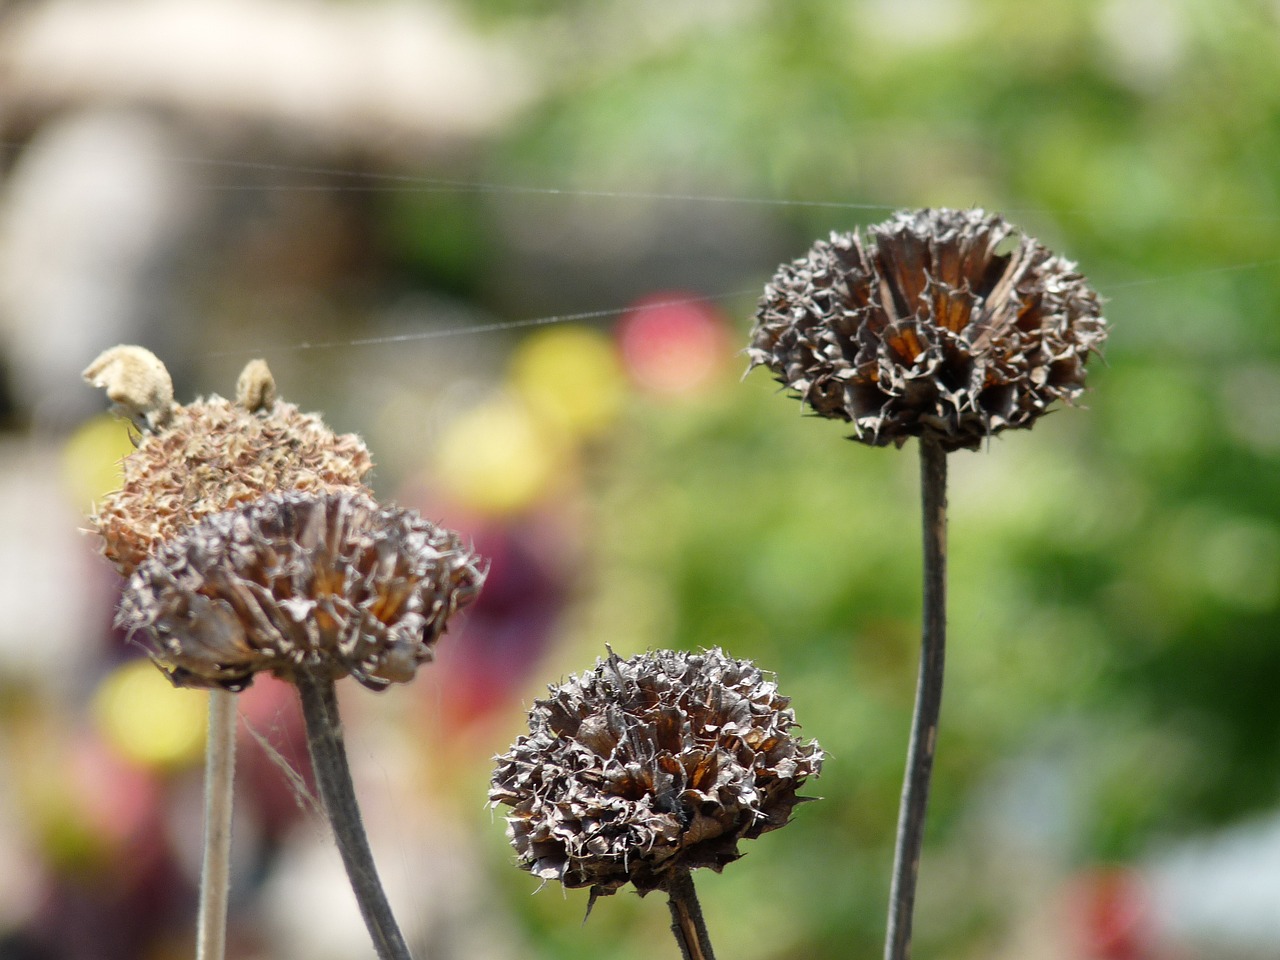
(927, 326)
(136, 381)
(212, 455)
(329, 582)
(645, 766)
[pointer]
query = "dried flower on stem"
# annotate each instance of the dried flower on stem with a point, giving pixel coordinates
(928, 326)
(293, 582)
(252, 545)
(644, 769)
(141, 388)
(948, 326)
(309, 587)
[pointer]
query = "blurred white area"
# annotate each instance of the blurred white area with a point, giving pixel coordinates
(342, 73)
(1143, 42)
(54, 589)
(1220, 892)
(1208, 896)
(113, 217)
(89, 220)
(429, 867)
(20, 862)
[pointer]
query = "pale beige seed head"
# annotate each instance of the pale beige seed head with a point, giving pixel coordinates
(211, 455)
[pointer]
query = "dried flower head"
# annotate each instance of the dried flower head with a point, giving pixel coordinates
(330, 583)
(647, 767)
(211, 455)
(927, 326)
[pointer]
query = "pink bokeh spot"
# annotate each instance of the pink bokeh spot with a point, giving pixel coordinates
(119, 800)
(673, 344)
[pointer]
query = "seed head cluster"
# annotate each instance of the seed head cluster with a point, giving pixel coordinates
(330, 583)
(212, 455)
(252, 544)
(940, 321)
(651, 765)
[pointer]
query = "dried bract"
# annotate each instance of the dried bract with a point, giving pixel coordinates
(646, 766)
(212, 455)
(942, 321)
(136, 381)
(330, 583)
(256, 387)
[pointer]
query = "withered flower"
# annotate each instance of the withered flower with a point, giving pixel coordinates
(326, 583)
(213, 454)
(941, 321)
(948, 326)
(645, 768)
(252, 544)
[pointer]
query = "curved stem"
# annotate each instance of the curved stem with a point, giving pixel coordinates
(686, 918)
(924, 724)
(219, 783)
(333, 777)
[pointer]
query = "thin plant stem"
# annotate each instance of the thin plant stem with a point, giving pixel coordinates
(924, 724)
(219, 784)
(333, 777)
(686, 918)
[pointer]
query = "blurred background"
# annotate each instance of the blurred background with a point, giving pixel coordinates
(517, 247)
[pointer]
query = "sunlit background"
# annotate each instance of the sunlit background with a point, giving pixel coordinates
(377, 196)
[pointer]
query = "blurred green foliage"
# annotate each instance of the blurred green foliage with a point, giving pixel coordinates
(1115, 574)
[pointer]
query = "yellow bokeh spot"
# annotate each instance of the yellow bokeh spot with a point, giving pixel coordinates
(147, 719)
(498, 457)
(91, 458)
(570, 375)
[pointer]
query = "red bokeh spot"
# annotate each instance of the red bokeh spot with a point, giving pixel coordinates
(1113, 914)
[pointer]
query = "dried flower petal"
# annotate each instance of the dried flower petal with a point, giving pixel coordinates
(927, 326)
(645, 766)
(212, 455)
(331, 583)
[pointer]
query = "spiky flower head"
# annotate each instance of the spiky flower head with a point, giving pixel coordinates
(941, 321)
(210, 455)
(648, 767)
(330, 583)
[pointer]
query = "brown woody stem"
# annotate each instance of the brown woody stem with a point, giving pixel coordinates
(924, 724)
(686, 918)
(333, 778)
